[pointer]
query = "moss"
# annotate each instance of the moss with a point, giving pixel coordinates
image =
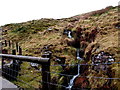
(30, 78)
(32, 36)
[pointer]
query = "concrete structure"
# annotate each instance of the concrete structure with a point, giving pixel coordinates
(5, 84)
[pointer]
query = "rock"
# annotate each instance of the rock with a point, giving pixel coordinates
(49, 29)
(75, 43)
(60, 60)
(54, 81)
(81, 82)
(102, 57)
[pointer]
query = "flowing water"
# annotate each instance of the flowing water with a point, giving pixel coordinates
(78, 54)
(69, 34)
(75, 76)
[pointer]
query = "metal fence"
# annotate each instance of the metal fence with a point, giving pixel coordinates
(11, 64)
(11, 73)
(11, 70)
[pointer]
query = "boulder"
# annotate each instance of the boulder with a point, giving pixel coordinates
(81, 82)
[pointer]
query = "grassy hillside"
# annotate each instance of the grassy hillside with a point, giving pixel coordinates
(34, 35)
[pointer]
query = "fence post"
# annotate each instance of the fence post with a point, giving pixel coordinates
(12, 44)
(9, 43)
(20, 50)
(46, 74)
(5, 43)
(2, 67)
(4, 51)
(20, 53)
(17, 46)
(13, 73)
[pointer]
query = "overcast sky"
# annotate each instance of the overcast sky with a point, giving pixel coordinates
(16, 11)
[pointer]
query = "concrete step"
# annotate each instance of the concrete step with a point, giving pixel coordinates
(6, 85)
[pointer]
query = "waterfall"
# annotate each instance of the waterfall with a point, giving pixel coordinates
(74, 77)
(69, 34)
(78, 55)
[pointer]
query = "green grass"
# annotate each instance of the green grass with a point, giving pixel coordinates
(28, 75)
(33, 38)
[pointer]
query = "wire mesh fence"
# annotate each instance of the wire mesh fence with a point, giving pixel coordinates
(32, 74)
(12, 72)
(21, 71)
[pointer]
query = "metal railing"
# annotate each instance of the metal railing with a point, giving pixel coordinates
(46, 74)
(26, 58)
(11, 70)
(45, 62)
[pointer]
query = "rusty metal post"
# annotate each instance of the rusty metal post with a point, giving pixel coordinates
(2, 67)
(20, 50)
(20, 53)
(46, 74)
(13, 70)
(9, 43)
(5, 43)
(4, 51)
(13, 45)
(17, 46)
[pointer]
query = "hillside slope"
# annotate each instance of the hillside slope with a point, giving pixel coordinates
(34, 36)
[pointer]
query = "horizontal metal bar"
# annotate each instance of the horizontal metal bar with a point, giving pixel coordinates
(26, 58)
